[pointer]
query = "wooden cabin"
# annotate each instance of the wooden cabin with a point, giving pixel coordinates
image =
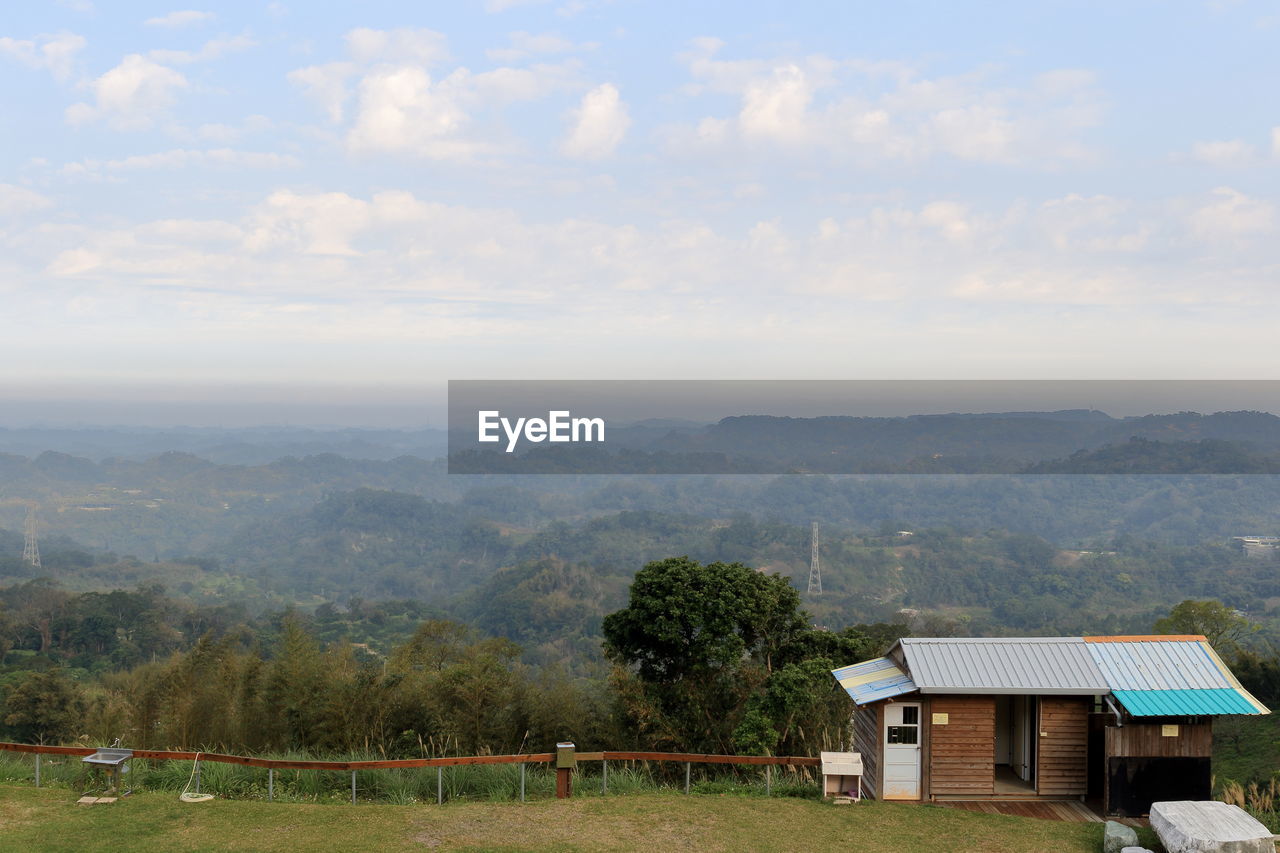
(1125, 720)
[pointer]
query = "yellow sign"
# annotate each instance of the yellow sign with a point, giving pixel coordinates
(1169, 731)
(941, 719)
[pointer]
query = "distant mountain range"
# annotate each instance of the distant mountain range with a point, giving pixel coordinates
(960, 443)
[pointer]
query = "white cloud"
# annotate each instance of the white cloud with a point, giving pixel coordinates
(405, 45)
(211, 50)
(18, 200)
(130, 95)
(1232, 217)
(599, 124)
(321, 224)
(182, 158)
(494, 6)
(776, 106)
(314, 268)
(326, 85)
(1234, 152)
(180, 19)
(400, 106)
(524, 45)
(876, 111)
(400, 110)
(1099, 223)
(56, 53)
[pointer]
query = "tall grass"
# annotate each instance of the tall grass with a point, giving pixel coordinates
(478, 782)
(1262, 800)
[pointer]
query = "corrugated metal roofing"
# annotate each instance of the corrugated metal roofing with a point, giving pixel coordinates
(1157, 665)
(1150, 675)
(1185, 703)
(1042, 665)
(873, 680)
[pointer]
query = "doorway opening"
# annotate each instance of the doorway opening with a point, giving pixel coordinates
(1015, 758)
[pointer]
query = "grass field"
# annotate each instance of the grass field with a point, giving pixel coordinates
(49, 820)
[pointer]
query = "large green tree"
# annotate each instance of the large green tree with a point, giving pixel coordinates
(1221, 625)
(694, 644)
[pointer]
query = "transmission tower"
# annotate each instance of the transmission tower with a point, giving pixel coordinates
(815, 572)
(31, 544)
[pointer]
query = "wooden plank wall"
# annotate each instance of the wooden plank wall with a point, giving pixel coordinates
(1062, 758)
(962, 753)
(866, 740)
(1145, 740)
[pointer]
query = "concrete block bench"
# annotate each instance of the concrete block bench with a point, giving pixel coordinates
(1209, 827)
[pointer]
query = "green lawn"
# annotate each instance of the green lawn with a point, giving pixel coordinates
(49, 819)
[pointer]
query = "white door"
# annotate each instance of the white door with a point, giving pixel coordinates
(902, 751)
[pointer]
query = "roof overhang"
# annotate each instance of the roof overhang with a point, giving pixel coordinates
(873, 680)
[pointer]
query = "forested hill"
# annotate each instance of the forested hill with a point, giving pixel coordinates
(176, 505)
(994, 443)
(1016, 436)
(548, 586)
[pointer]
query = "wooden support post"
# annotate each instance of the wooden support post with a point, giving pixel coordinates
(566, 761)
(522, 766)
(271, 784)
(604, 775)
(768, 780)
(564, 783)
(37, 770)
(353, 787)
(439, 786)
(687, 765)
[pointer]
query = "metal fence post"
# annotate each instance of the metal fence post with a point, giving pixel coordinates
(604, 775)
(197, 775)
(353, 787)
(439, 786)
(687, 765)
(768, 780)
(271, 784)
(522, 766)
(37, 770)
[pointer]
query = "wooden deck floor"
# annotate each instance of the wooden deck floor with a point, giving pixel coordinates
(1070, 811)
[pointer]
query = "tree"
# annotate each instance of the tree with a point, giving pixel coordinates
(1222, 626)
(46, 707)
(694, 643)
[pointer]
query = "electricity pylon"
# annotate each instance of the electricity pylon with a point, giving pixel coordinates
(31, 542)
(815, 572)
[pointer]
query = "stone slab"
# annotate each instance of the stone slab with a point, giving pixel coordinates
(1187, 826)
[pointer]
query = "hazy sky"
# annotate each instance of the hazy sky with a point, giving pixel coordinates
(373, 194)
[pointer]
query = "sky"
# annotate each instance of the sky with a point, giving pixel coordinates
(324, 201)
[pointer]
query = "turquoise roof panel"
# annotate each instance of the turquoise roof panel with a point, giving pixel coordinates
(1184, 703)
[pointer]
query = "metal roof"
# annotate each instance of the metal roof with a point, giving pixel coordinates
(873, 680)
(1157, 664)
(1170, 676)
(1013, 665)
(1151, 676)
(1187, 703)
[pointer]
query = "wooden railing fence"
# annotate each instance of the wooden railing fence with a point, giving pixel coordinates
(274, 764)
